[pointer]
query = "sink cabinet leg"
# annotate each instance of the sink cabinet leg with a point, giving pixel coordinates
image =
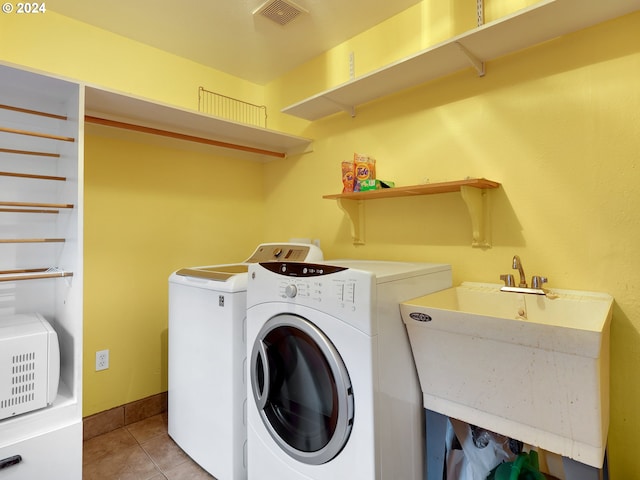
(436, 426)
(574, 470)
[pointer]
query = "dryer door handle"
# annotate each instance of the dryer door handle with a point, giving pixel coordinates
(261, 363)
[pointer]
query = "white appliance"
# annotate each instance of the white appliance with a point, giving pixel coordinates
(207, 386)
(334, 392)
(29, 364)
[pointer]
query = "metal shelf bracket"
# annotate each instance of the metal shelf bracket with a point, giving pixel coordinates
(475, 61)
(350, 109)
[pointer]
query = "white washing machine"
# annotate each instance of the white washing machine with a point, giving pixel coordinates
(333, 390)
(207, 351)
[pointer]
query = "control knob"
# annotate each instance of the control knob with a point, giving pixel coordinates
(291, 291)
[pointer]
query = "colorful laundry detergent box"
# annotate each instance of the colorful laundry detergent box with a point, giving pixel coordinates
(356, 171)
(359, 175)
(348, 176)
(365, 171)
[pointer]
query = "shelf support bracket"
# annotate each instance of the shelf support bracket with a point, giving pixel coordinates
(477, 201)
(475, 61)
(350, 109)
(355, 211)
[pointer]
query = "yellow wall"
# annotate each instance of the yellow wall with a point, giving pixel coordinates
(150, 210)
(556, 124)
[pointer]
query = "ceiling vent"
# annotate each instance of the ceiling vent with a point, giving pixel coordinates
(280, 11)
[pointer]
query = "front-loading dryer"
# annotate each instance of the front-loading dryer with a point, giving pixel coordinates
(207, 387)
(333, 390)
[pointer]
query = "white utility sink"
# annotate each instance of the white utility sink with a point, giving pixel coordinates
(532, 367)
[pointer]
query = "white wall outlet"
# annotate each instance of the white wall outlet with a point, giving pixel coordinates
(102, 360)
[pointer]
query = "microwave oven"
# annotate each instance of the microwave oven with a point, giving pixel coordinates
(29, 364)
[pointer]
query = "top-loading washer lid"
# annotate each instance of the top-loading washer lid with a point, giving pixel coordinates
(220, 273)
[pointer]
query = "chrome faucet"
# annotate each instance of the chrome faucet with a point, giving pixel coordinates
(517, 265)
(536, 281)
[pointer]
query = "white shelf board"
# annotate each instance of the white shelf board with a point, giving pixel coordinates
(543, 21)
(120, 107)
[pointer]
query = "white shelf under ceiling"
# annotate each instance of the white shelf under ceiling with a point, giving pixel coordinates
(124, 109)
(543, 21)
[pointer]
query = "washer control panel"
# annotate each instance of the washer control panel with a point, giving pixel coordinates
(308, 281)
(334, 289)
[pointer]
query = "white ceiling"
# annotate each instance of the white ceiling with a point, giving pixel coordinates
(224, 35)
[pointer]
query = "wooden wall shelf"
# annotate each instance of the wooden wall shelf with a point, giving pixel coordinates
(473, 193)
(425, 189)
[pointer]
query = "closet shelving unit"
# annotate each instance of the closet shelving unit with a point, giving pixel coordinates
(41, 256)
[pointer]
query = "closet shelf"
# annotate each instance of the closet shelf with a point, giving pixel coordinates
(530, 26)
(473, 191)
(123, 111)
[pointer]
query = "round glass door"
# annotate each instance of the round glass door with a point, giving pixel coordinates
(302, 389)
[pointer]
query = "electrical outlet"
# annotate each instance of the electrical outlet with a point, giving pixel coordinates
(102, 360)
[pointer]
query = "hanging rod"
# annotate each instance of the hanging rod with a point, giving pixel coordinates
(29, 152)
(33, 276)
(179, 136)
(23, 270)
(36, 205)
(37, 134)
(29, 175)
(32, 240)
(33, 112)
(27, 210)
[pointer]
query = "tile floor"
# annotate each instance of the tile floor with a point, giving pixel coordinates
(139, 451)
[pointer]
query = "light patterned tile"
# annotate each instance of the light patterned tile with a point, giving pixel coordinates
(107, 444)
(148, 428)
(140, 451)
(164, 452)
(131, 463)
(187, 471)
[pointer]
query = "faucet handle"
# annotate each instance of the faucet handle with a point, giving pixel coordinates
(508, 280)
(537, 281)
